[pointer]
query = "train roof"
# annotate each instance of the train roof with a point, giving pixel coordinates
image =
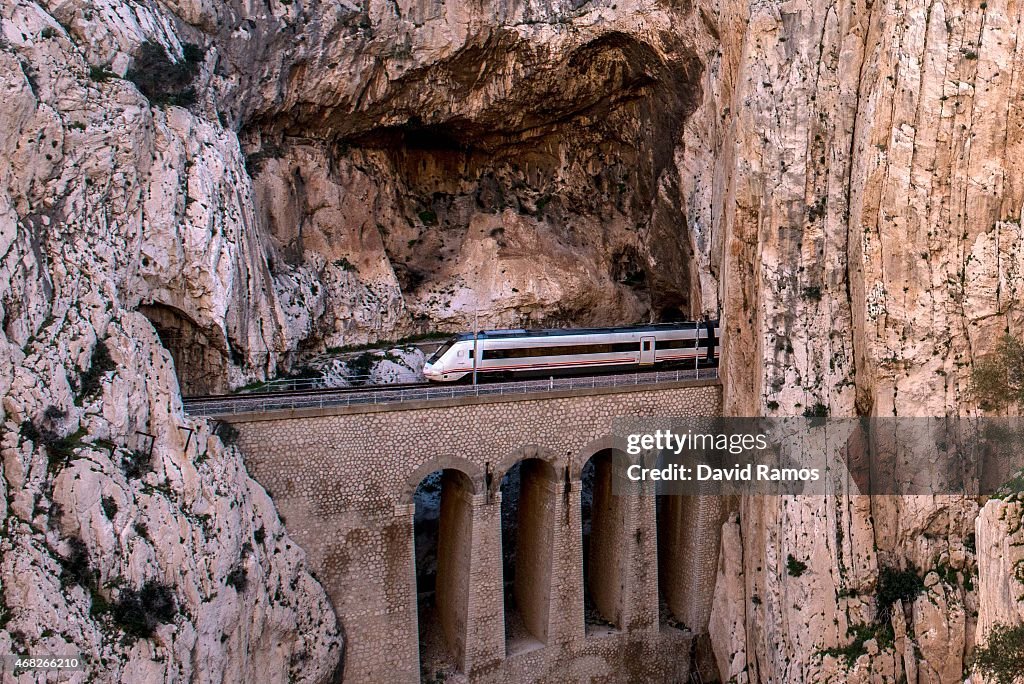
(544, 332)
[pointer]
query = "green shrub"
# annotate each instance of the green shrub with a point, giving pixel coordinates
(135, 464)
(227, 432)
(99, 365)
(358, 367)
(893, 585)
(100, 73)
(345, 265)
(819, 410)
(29, 431)
(238, 578)
(857, 647)
(139, 612)
(75, 567)
(1002, 656)
(794, 567)
(59, 450)
(162, 80)
(998, 379)
(109, 507)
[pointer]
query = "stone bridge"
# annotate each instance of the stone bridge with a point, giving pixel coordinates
(479, 537)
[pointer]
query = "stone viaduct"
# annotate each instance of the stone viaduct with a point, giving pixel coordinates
(602, 587)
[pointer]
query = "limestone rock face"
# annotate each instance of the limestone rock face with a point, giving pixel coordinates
(867, 215)
(131, 534)
(1000, 564)
(838, 180)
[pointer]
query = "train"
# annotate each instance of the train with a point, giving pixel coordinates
(508, 354)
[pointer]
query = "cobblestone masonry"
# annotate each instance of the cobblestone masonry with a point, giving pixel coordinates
(344, 480)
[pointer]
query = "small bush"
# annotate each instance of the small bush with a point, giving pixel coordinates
(139, 612)
(75, 567)
(893, 585)
(345, 265)
(359, 367)
(109, 507)
(998, 379)
(794, 567)
(819, 410)
(163, 81)
(428, 217)
(59, 450)
(29, 431)
(259, 535)
(100, 73)
(135, 464)
(812, 293)
(54, 414)
(1002, 656)
(238, 578)
(861, 634)
(99, 365)
(142, 530)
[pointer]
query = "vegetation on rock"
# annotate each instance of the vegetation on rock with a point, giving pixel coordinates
(998, 379)
(1002, 656)
(162, 80)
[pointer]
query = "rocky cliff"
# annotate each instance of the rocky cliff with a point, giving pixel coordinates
(231, 185)
(870, 218)
(131, 534)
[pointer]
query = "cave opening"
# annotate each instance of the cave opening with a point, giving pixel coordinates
(200, 358)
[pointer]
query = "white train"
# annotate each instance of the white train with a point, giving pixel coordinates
(521, 353)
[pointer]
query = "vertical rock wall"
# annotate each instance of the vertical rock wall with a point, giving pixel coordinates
(869, 217)
(132, 535)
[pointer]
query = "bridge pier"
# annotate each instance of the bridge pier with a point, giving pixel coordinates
(485, 625)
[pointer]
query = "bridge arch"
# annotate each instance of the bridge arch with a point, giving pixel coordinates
(525, 452)
(591, 449)
(446, 462)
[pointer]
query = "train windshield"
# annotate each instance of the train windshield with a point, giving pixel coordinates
(440, 351)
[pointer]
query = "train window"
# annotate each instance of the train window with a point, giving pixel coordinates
(677, 344)
(647, 345)
(565, 350)
(440, 351)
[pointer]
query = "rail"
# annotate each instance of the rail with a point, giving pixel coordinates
(240, 403)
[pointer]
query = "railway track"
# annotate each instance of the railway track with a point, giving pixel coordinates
(306, 392)
(228, 405)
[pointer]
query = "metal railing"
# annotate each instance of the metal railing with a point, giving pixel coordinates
(240, 403)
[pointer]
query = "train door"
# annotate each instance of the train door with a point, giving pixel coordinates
(646, 351)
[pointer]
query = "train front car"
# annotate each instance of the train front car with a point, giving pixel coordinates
(504, 354)
(452, 361)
